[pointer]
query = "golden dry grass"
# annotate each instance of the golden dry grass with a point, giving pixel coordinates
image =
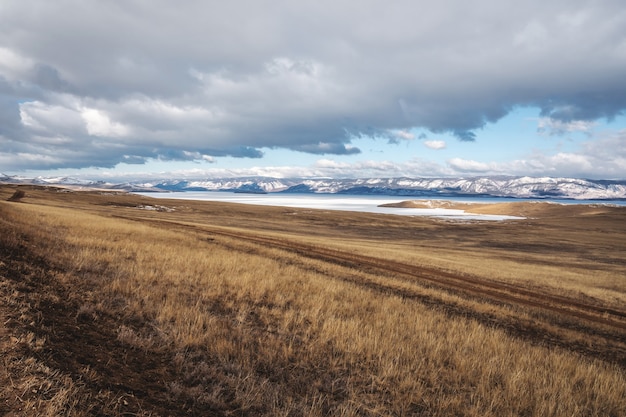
(241, 328)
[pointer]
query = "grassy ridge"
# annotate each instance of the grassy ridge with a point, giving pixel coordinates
(229, 327)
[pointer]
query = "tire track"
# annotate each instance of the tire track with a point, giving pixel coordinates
(464, 283)
(613, 325)
(476, 286)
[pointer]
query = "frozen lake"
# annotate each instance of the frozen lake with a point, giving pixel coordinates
(368, 204)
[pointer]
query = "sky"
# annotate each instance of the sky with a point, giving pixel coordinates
(199, 88)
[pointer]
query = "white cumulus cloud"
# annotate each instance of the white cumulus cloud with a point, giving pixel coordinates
(559, 127)
(99, 123)
(435, 144)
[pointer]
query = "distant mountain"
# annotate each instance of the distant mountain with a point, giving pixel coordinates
(67, 181)
(12, 179)
(516, 187)
(15, 179)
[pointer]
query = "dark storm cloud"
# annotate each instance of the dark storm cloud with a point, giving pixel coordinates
(91, 83)
(48, 78)
(9, 116)
(585, 105)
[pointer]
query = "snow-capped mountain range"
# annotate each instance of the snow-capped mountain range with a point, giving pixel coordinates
(517, 187)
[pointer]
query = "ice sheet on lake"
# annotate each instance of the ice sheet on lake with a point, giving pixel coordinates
(369, 204)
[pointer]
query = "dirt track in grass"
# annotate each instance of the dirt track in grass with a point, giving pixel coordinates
(585, 320)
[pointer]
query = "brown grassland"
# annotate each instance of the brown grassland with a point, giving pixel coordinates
(114, 304)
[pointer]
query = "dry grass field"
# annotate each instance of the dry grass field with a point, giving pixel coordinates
(119, 305)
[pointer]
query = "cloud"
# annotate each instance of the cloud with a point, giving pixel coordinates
(435, 144)
(331, 164)
(415, 167)
(12, 64)
(464, 135)
(395, 136)
(602, 157)
(99, 123)
(555, 127)
(322, 148)
(465, 165)
(93, 83)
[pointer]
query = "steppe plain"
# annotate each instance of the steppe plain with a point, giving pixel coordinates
(113, 304)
